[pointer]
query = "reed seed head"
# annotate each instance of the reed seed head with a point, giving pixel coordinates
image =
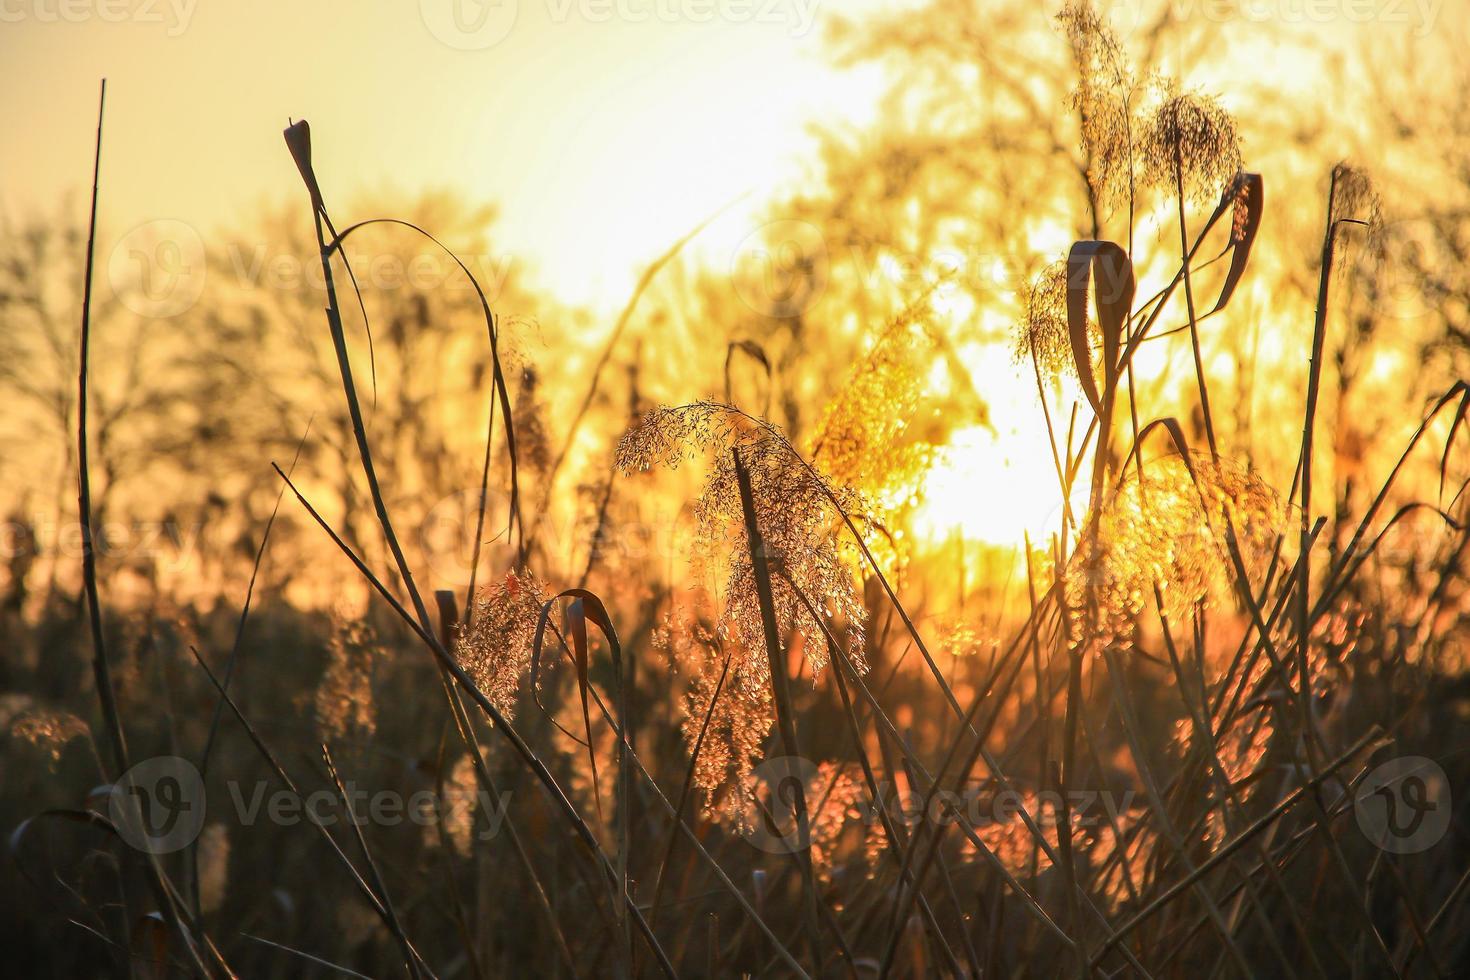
(496, 650)
(1042, 333)
(1103, 100)
(1191, 146)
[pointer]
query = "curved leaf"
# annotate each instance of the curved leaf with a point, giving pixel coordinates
(1176, 436)
(1245, 197)
(1106, 267)
(756, 353)
(584, 604)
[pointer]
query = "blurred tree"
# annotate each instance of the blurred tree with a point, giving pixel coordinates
(421, 359)
(196, 397)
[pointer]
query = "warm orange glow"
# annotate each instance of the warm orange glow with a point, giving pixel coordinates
(774, 445)
(991, 488)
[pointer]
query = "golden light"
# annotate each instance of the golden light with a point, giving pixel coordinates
(989, 488)
(995, 484)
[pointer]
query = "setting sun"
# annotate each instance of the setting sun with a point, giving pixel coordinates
(734, 488)
(993, 488)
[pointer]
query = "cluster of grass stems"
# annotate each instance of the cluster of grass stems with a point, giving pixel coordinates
(662, 890)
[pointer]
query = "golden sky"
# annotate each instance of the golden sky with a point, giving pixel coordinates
(604, 129)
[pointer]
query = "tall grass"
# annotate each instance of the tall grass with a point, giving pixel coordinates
(1155, 772)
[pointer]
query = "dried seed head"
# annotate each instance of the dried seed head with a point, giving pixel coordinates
(668, 436)
(1169, 530)
(801, 531)
(214, 866)
(496, 650)
(833, 793)
(47, 729)
(801, 528)
(799, 522)
(1355, 199)
(888, 420)
(1103, 99)
(1354, 196)
(1118, 862)
(457, 808)
(1190, 145)
(1011, 841)
(959, 637)
(1043, 333)
(1124, 858)
(533, 445)
(728, 708)
(1240, 750)
(344, 698)
(734, 741)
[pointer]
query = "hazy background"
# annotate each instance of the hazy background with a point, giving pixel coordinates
(564, 144)
(893, 179)
(602, 138)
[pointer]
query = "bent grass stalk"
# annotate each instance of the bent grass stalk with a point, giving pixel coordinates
(298, 139)
(1222, 881)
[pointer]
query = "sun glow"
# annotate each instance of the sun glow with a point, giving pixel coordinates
(996, 484)
(992, 488)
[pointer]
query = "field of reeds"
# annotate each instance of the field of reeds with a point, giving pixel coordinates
(739, 717)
